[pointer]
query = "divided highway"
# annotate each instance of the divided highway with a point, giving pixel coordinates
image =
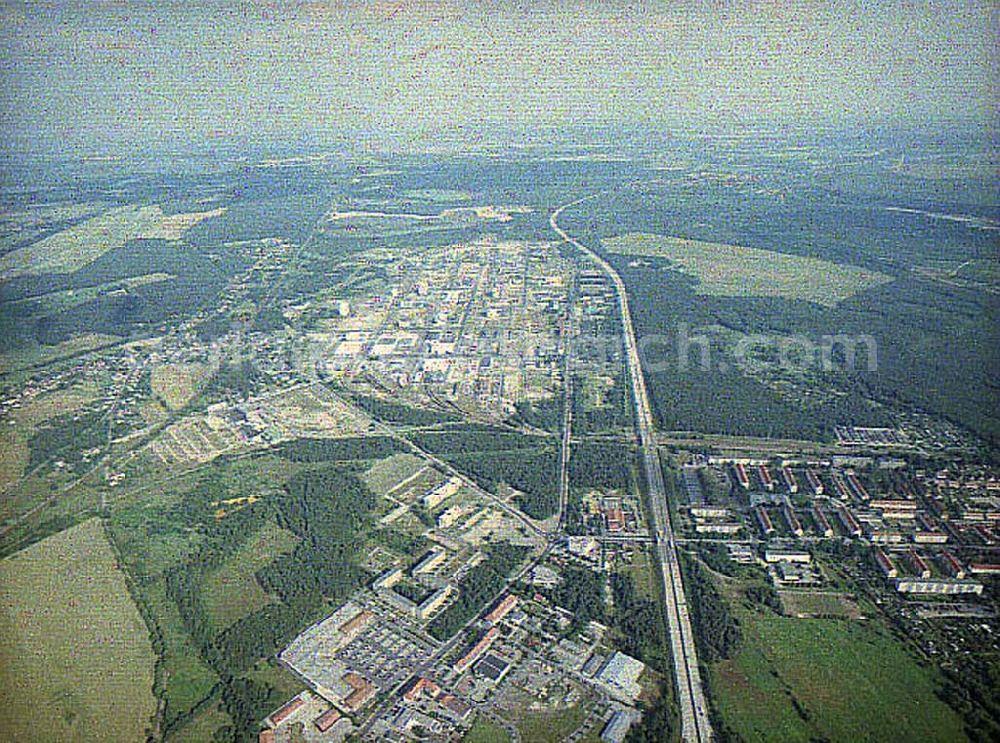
(695, 725)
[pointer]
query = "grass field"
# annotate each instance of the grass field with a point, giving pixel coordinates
(41, 355)
(486, 731)
(201, 727)
(177, 384)
(827, 679)
(14, 456)
(642, 574)
(188, 679)
(387, 473)
(737, 271)
(75, 658)
(542, 727)
(73, 248)
(231, 591)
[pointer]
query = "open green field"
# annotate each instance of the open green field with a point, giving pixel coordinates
(827, 679)
(231, 591)
(14, 456)
(201, 727)
(542, 727)
(189, 679)
(643, 577)
(387, 473)
(26, 358)
(486, 731)
(177, 384)
(77, 246)
(737, 271)
(75, 658)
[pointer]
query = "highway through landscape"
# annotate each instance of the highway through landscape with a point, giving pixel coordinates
(695, 724)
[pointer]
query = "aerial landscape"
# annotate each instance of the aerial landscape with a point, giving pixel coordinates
(499, 372)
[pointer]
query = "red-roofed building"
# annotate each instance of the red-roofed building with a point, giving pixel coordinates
(285, 712)
(419, 686)
(327, 720)
(363, 691)
(477, 650)
(502, 609)
(985, 567)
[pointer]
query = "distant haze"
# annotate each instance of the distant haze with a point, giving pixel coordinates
(98, 76)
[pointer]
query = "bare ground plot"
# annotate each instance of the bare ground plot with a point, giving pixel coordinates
(75, 658)
(819, 604)
(738, 271)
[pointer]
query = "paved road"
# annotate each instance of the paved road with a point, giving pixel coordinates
(695, 725)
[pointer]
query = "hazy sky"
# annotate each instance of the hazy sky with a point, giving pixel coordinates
(108, 74)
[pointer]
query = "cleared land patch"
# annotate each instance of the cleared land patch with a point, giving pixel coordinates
(738, 271)
(387, 473)
(75, 658)
(75, 247)
(231, 591)
(177, 384)
(819, 604)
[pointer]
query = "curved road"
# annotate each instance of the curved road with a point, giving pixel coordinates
(695, 725)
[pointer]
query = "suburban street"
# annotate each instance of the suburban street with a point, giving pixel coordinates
(695, 725)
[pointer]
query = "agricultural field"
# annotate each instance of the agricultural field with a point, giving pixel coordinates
(738, 271)
(64, 606)
(231, 591)
(827, 679)
(177, 384)
(25, 358)
(77, 246)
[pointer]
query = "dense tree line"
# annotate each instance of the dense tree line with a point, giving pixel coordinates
(477, 438)
(534, 472)
(658, 724)
(478, 587)
(716, 630)
(338, 450)
(581, 592)
(67, 436)
(600, 465)
(196, 280)
(640, 623)
(393, 412)
(545, 414)
(764, 594)
(327, 508)
(238, 379)
(491, 456)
